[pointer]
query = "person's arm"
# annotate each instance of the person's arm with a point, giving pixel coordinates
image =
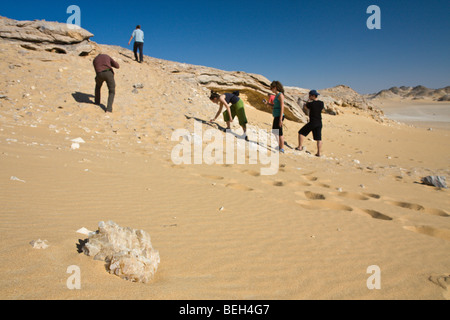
(282, 109)
(268, 102)
(114, 64)
(306, 109)
(132, 36)
(224, 103)
(218, 113)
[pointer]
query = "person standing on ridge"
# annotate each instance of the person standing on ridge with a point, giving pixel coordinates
(103, 65)
(138, 34)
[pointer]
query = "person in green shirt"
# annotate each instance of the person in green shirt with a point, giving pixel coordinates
(234, 107)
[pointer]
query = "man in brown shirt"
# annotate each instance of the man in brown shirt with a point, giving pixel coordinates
(103, 65)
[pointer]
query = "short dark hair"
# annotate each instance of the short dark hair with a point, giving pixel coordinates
(138, 26)
(214, 95)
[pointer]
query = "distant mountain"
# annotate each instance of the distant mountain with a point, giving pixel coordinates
(413, 93)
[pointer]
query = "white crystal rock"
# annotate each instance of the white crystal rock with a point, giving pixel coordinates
(39, 244)
(85, 231)
(78, 140)
(128, 253)
(75, 146)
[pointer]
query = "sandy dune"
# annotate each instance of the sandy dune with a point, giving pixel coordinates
(309, 232)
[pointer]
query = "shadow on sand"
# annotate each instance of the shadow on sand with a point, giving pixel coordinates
(81, 97)
(225, 130)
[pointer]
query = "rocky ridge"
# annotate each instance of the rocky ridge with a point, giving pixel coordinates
(60, 38)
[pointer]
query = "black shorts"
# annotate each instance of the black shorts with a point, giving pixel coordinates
(276, 126)
(315, 128)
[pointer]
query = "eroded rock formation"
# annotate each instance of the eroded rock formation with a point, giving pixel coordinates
(41, 35)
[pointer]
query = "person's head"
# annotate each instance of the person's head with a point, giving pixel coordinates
(214, 97)
(276, 86)
(138, 26)
(313, 94)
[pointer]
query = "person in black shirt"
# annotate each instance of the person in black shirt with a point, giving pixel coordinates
(313, 109)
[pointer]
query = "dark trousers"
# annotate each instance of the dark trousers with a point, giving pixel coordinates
(140, 46)
(107, 76)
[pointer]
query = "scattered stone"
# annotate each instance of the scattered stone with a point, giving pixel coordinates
(39, 244)
(85, 231)
(138, 86)
(75, 146)
(128, 253)
(78, 140)
(435, 181)
(17, 179)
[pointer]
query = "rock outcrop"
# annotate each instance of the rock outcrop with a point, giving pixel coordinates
(41, 35)
(253, 88)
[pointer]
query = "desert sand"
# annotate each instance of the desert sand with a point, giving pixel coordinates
(309, 232)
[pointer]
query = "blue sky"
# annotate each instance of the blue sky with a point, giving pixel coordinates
(308, 44)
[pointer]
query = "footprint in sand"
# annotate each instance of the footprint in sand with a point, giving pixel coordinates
(430, 231)
(323, 205)
(442, 281)
(298, 184)
(314, 196)
(274, 183)
(212, 177)
(240, 187)
(377, 215)
(251, 173)
(351, 195)
(372, 195)
(436, 212)
(420, 208)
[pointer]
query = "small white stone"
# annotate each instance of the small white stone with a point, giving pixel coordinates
(39, 244)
